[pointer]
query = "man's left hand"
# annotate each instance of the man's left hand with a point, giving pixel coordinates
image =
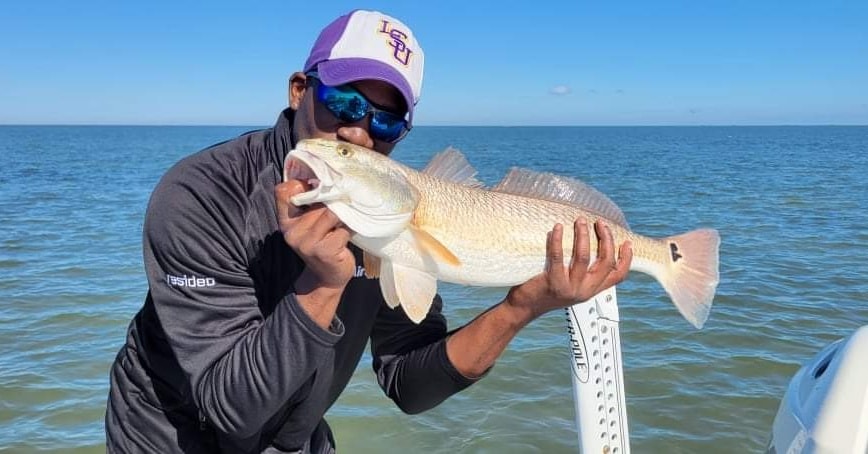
(562, 286)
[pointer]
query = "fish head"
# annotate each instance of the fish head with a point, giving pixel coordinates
(367, 191)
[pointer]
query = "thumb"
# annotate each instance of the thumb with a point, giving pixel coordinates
(291, 188)
(283, 192)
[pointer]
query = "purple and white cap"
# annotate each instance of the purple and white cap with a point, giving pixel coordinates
(369, 45)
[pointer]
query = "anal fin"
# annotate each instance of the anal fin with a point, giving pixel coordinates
(414, 290)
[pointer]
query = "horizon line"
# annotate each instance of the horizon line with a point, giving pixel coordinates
(228, 125)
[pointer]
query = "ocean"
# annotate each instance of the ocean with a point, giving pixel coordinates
(791, 205)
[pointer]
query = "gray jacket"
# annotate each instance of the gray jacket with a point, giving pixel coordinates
(221, 358)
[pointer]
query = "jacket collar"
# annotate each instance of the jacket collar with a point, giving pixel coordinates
(282, 137)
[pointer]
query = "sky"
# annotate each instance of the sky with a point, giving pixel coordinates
(495, 63)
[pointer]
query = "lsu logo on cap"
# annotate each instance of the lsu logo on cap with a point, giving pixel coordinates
(401, 52)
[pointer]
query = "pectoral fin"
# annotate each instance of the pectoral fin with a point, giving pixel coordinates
(434, 247)
(414, 290)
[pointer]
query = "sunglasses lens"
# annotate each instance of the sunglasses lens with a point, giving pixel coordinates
(346, 104)
(387, 127)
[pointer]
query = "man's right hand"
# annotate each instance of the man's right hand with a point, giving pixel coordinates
(319, 238)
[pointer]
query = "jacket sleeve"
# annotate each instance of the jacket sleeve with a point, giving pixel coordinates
(410, 360)
(242, 367)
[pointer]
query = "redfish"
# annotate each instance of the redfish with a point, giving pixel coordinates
(418, 227)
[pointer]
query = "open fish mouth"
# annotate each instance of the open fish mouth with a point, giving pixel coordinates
(296, 169)
(304, 166)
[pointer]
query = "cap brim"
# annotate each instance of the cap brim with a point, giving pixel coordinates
(346, 70)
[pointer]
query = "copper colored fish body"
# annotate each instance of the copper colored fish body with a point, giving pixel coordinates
(441, 224)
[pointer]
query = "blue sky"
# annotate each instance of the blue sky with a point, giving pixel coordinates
(487, 63)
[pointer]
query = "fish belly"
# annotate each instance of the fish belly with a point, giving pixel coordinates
(485, 267)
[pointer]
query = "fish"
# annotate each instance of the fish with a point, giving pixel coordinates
(416, 228)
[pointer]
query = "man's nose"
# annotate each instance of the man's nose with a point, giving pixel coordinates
(356, 133)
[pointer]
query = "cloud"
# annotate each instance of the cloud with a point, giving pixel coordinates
(560, 90)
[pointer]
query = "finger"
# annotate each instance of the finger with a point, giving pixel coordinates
(297, 187)
(283, 192)
(340, 235)
(555, 251)
(308, 233)
(295, 221)
(581, 249)
(311, 224)
(330, 247)
(548, 248)
(605, 247)
(622, 269)
(322, 224)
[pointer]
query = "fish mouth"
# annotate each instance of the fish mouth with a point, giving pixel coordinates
(304, 166)
(366, 211)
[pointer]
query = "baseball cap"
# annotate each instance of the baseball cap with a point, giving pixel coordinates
(369, 45)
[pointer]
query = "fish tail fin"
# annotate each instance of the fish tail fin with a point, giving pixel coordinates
(691, 276)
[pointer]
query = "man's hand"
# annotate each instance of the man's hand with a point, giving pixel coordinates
(474, 348)
(317, 236)
(320, 239)
(561, 286)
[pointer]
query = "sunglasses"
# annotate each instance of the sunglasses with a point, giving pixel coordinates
(350, 106)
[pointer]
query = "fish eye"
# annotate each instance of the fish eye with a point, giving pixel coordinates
(345, 152)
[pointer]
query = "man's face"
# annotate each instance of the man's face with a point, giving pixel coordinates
(314, 120)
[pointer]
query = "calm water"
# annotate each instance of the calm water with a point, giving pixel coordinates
(791, 204)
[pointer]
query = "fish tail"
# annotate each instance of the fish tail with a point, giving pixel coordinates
(691, 276)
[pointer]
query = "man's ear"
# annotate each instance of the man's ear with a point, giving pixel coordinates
(297, 84)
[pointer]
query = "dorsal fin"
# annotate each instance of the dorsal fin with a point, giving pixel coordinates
(560, 189)
(450, 165)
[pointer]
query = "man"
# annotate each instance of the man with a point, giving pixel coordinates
(254, 320)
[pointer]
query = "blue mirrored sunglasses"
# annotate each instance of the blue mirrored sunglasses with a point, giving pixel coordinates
(350, 106)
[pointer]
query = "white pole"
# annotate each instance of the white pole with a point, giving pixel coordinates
(598, 376)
